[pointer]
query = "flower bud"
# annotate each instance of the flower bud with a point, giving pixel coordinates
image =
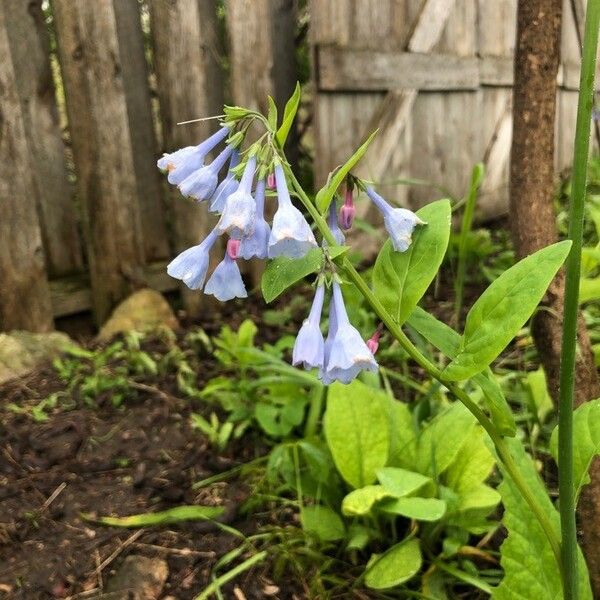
(347, 211)
(373, 342)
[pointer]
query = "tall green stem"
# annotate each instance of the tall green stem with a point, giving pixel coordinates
(393, 327)
(571, 305)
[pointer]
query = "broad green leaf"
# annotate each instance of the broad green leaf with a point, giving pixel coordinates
(163, 517)
(399, 564)
(289, 114)
(357, 432)
(421, 509)
(401, 278)
(400, 482)
(282, 272)
(360, 502)
(586, 442)
(403, 438)
(323, 522)
(473, 464)
(272, 114)
(442, 439)
(530, 570)
(325, 195)
(503, 309)
(589, 289)
(446, 340)
(473, 506)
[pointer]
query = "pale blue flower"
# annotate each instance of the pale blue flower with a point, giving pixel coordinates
(226, 281)
(192, 264)
(202, 184)
(332, 221)
(239, 212)
(257, 243)
(291, 235)
(182, 163)
(349, 353)
(332, 330)
(399, 222)
(227, 187)
(309, 348)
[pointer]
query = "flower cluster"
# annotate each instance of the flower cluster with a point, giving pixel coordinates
(239, 199)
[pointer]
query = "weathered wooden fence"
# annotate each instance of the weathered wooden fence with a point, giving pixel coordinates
(91, 92)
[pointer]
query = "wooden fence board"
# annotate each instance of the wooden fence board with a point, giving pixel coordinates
(141, 128)
(30, 49)
(24, 297)
(189, 86)
(98, 122)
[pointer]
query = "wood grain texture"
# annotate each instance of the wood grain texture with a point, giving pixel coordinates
(189, 86)
(24, 293)
(99, 126)
(30, 51)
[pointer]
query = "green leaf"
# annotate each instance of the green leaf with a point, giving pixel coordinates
(399, 564)
(473, 463)
(360, 502)
(503, 309)
(541, 401)
(589, 289)
(401, 278)
(325, 195)
(586, 442)
(403, 438)
(272, 114)
(473, 506)
(282, 272)
(530, 570)
(357, 433)
(400, 482)
(421, 509)
(289, 114)
(446, 340)
(323, 522)
(164, 517)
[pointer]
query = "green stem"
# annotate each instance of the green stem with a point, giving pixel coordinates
(501, 447)
(571, 302)
(314, 411)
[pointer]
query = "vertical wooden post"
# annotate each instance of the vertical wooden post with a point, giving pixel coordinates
(30, 49)
(189, 86)
(141, 128)
(24, 293)
(92, 72)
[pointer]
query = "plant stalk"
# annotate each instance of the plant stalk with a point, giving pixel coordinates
(571, 303)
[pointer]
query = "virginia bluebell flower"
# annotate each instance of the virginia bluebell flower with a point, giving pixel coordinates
(373, 341)
(332, 221)
(347, 211)
(271, 181)
(399, 222)
(201, 184)
(226, 187)
(239, 212)
(192, 264)
(332, 330)
(291, 235)
(182, 163)
(309, 347)
(226, 281)
(349, 354)
(257, 243)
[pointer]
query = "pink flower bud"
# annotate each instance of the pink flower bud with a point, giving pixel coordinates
(233, 248)
(348, 211)
(271, 181)
(373, 342)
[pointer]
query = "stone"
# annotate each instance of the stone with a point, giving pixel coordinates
(145, 310)
(138, 578)
(23, 351)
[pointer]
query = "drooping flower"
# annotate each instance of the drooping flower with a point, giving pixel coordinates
(201, 184)
(347, 211)
(239, 212)
(291, 235)
(226, 281)
(399, 222)
(257, 243)
(332, 221)
(226, 187)
(332, 330)
(309, 347)
(349, 354)
(182, 163)
(192, 264)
